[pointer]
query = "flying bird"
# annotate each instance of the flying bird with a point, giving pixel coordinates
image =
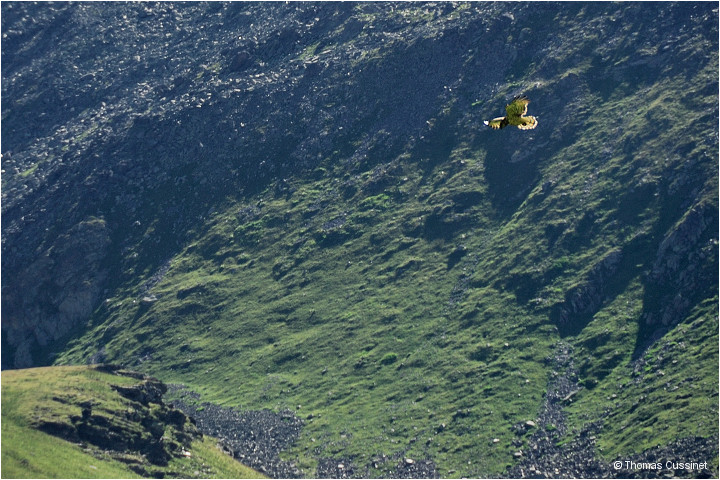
(516, 111)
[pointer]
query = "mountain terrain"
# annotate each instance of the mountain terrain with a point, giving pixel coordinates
(113, 424)
(293, 215)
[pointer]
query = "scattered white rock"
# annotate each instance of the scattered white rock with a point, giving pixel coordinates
(149, 299)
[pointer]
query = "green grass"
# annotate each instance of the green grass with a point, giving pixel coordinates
(209, 461)
(341, 304)
(29, 453)
(29, 171)
(279, 321)
(32, 396)
(409, 305)
(659, 396)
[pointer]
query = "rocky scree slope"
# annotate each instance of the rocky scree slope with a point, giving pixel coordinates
(297, 207)
(105, 127)
(256, 437)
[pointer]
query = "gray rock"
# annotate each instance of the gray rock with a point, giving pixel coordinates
(57, 291)
(148, 299)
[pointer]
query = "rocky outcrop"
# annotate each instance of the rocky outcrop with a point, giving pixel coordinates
(685, 267)
(588, 296)
(146, 433)
(57, 291)
(150, 391)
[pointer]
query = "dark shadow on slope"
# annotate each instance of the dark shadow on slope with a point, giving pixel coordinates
(611, 275)
(608, 278)
(677, 261)
(683, 275)
(509, 182)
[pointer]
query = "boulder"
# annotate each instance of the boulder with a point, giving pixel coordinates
(239, 61)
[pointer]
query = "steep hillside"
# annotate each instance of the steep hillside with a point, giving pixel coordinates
(298, 208)
(112, 422)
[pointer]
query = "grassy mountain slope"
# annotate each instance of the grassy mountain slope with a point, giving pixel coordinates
(41, 404)
(317, 220)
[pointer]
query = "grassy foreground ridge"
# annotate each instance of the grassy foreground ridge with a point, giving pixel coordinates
(40, 406)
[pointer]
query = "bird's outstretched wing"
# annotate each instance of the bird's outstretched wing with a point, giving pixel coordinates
(517, 108)
(527, 123)
(497, 123)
